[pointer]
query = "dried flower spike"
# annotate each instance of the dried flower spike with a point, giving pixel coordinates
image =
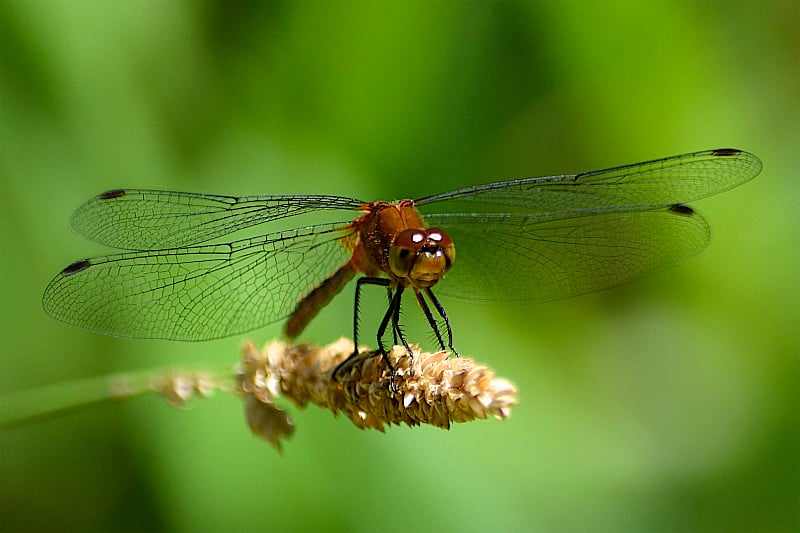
(440, 390)
(178, 387)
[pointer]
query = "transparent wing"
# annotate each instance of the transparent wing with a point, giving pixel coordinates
(660, 183)
(525, 258)
(138, 219)
(199, 292)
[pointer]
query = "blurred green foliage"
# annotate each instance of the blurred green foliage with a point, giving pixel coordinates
(670, 404)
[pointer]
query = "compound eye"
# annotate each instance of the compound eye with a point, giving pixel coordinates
(403, 251)
(443, 242)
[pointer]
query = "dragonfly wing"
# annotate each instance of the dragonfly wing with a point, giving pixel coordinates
(529, 258)
(660, 183)
(196, 293)
(138, 219)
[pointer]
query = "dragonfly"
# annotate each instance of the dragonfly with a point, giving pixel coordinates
(523, 240)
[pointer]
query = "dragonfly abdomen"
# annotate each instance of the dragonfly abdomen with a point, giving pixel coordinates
(311, 304)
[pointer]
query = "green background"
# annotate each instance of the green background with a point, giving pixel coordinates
(670, 404)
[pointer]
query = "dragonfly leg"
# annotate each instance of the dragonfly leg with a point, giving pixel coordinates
(394, 330)
(432, 321)
(381, 329)
(393, 314)
(398, 329)
(440, 308)
(357, 304)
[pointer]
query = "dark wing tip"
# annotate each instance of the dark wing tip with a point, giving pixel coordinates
(725, 152)
(76, 267)
(114, 193)
(681, 209)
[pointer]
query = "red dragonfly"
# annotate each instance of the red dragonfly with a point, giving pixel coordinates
(523, 240)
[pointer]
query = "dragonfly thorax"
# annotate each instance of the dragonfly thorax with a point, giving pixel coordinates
(421, 256)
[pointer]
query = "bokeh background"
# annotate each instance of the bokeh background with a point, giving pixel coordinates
(670, 404)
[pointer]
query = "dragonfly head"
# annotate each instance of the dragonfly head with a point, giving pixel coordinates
(422, 256)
